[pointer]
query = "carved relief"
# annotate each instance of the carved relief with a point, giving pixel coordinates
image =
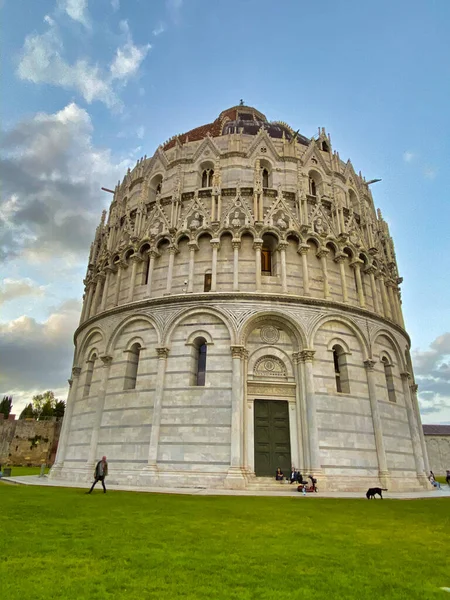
(269, 334)
(271, 367)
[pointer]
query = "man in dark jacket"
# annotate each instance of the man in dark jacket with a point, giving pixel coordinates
(101, 471)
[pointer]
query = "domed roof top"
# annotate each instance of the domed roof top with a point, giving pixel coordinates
(238, 119)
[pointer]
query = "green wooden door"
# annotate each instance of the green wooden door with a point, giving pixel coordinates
(272, 438)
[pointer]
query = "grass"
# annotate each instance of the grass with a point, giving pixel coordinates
(19, 471)
(60, 543)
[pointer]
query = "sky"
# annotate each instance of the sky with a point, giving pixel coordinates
(90, 86)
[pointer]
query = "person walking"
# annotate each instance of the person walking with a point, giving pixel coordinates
(101, 471)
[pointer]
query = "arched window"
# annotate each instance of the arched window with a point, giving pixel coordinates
(312, 187)
(207, 178)
(207, 282)
(200, 361)
(266, 260)
(389, 376)
(132, 367)
(340, 370)
(89, 373)
(265, 178)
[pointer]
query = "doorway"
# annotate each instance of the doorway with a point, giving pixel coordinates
(272, 437)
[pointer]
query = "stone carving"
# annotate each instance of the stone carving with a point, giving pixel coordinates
(320, 226)
(236, 221)
(281, 222)
(155, 228)
(271, 367)
(196, 221)
(270, 334)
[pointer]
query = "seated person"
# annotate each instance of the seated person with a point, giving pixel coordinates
(433, 481)
(279, 475)
(294, 475)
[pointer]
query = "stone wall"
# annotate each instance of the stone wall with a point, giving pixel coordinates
(438, 448)
(28, 442)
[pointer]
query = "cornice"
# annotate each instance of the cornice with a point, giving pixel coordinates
(207, 298)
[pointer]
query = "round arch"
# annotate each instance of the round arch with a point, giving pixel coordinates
(364, 345)
(396, 347)
(97, 330)
(286, 322)
(135, 317)
(170, 328)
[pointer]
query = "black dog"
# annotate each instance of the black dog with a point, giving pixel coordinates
(372, 491)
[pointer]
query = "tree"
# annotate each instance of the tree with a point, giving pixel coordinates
(59, 410)
(6, 406)
(28, 412)
(46, 399)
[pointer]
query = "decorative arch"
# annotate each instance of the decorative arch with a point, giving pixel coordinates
(172, 325)
(337, 341)
(136, 317)
(265, 351)
(136, 339)
(286, 322)
(396, 346)
(271, 367)
(86, 341)
(364, 345)
(199, 333)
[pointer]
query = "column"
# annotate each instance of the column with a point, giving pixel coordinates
(386, 306)
(65, 429)
(417, 449)
(302, 423)
(303, 250)
(389, 286)
(356, 264)
(322, 254)
(308, 356)
(236, 243)
(99, 410)
(340, 259)
(381, 302)
(172, 251)
(98, 289)
(215, 246)
(192, 249)
(163, 353)
(282, 249)
(88, 302)
(399, 307)
(373, 286)
(376, 419)
(235, 477)
(413, 388)
(151, 265)
(108, 270)
(120, 268)
(135, 261)
(257, 245)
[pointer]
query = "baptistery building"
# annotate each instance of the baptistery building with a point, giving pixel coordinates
(242, 312)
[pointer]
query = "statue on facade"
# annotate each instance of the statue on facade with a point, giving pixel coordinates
(195, 222)
(281, 223)
(320, 226)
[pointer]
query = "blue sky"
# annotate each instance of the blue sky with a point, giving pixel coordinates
(89, 86)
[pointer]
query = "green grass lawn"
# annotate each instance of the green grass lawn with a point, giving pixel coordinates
(60, 543)
(18, 471)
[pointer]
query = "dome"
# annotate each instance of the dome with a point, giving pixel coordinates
(242, 312)
(238, 119)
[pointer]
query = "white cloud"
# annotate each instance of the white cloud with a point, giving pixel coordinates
(161, 28)
(408, 156)
(432, 371)
(129, 57)
(42, 62)
(37, 356)
(11, 289)
(52, 175)
(140, 132)
(76, 10)
(115, 5)
(49, 20)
